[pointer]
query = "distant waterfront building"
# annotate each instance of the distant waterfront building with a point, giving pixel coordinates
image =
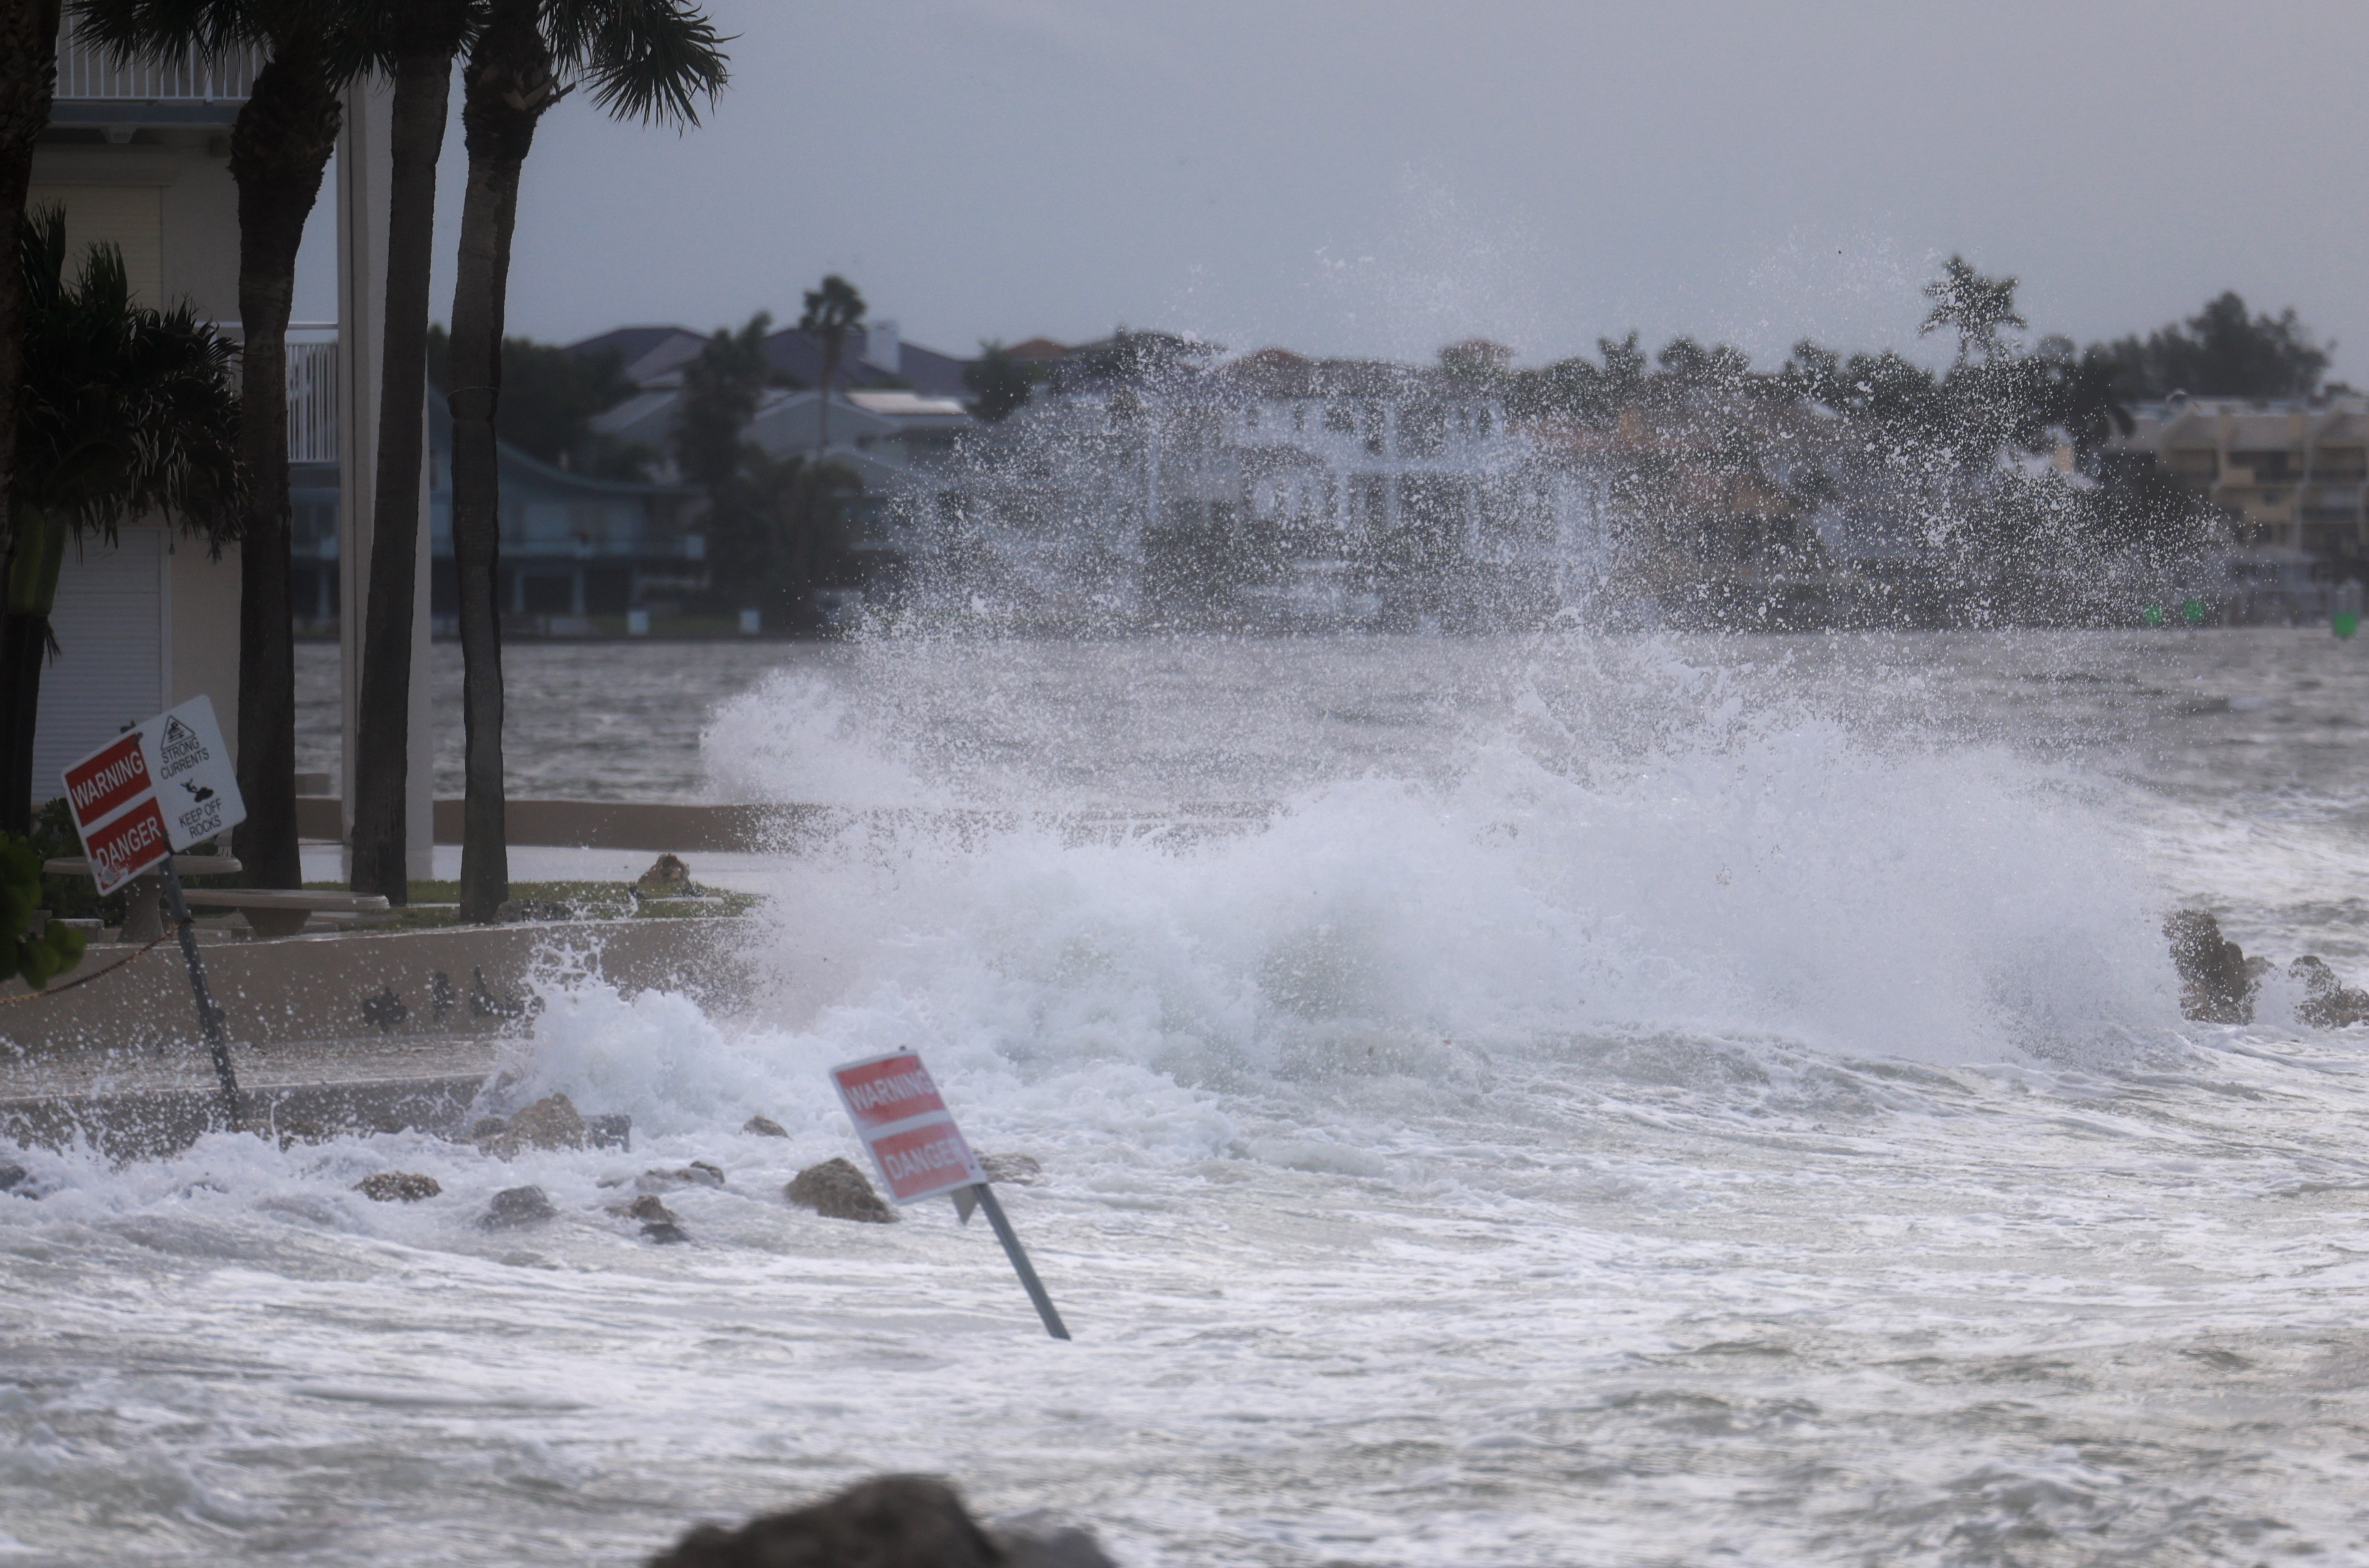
(2292, 474)
(1142, 482)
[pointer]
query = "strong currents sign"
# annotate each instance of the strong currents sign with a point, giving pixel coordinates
(164, 787)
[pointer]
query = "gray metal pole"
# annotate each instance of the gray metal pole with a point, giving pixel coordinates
(1029, 1281)
(210, 1016)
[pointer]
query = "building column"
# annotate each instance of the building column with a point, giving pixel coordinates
(364, 174)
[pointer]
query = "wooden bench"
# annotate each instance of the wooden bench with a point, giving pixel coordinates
(272, 911)
(281, 911)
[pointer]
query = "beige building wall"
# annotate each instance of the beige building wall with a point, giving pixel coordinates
(203, 617)
(169, 204)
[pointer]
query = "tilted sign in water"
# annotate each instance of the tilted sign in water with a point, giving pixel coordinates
(920, 1152)
(164, 787)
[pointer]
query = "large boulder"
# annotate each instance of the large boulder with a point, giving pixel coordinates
(2217, 984)
(551, 1122)
(837, 1190)
(892, 1521)
(515, 1207)
(2328, 1002)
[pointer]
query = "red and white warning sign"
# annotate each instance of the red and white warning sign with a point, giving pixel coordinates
(164, 787)
(898, 1113)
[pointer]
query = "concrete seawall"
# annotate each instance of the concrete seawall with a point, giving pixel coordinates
(315, 1038)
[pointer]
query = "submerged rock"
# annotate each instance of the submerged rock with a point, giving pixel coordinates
(2218, 985)
(1012, 1170)
(698, 1173)
(14, 1178)
(665, 1232)
(398, 1187)
(614, 1131)
(2328, 1002)
(895, 1521)
(516, 1207)
(837, 1190)
(551, 1122)
(765, 1126)
(891, 1521)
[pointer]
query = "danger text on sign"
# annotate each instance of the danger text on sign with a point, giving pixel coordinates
(904, 1122)
(127, 846)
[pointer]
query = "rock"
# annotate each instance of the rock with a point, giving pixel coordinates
(891, 1521)
(399, 1186)
(550, 1122)
(698, 1173)
(648, 1207)
(2327, 1003)
(1067, 1546)
(1012, 1170)
(765, 1126)
(667, 877)
(515, 1207)
(665, 1232)
(2217, 986)
(487, 1127)
(614, 1131)
(837, 1190)
(14, 1178)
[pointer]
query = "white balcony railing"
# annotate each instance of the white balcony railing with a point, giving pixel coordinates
(87, 73)
(312, 401)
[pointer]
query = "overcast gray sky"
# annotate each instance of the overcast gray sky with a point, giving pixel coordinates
(1383, 176)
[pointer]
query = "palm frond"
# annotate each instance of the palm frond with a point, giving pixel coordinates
(647, 60)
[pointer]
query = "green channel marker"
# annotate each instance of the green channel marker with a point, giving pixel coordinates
(2151, 613)
(2192, 610)
(2344, 622)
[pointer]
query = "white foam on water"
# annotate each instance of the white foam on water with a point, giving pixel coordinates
(1693, 1126)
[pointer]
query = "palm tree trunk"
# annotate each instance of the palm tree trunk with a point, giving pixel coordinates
(28, 70)
(508, 85)
(423, 82)
(36, 558)
(279, 148)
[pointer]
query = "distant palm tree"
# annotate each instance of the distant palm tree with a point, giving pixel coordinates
(647, 60)
(123, 410)
(426, 36)
(279, 146)
(831, 310)
(1972, 306)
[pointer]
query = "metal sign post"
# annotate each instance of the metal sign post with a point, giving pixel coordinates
(1020, 1265)
(210, 1015)
(921, 1153)
(161, 787)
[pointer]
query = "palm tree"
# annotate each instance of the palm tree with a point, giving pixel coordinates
(28, 74)
(1972, 306)
(426, 35)
(830, 311)
(123, 410)
(645, 59)
(279, 146)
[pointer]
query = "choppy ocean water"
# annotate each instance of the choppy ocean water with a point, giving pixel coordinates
(1636, 1100)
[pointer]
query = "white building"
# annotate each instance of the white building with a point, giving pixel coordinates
(139, 157)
